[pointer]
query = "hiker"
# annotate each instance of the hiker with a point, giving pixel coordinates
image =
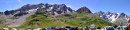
(53, 27)
(56, 28)
(80, 28)
(43, 29)
(115, 27)
(86, 28)
(109, 28)
(48, 28)
(62, 28)
(124, 27)
(98, 28)
(74, 28)
(68, 27)
(92, 27)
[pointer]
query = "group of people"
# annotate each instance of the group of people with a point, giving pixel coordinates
(92, 27)
(70, 28)
(88, 28)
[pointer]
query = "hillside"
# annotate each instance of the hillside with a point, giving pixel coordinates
(42, 18)
(21, 20)
(16, 17)
(47, 15)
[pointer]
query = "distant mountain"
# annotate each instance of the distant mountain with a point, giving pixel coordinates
(83, 10)
(57, 9)
(43, 18)
(113, 17)
(53, 9)
(30, 9)
(41, 14)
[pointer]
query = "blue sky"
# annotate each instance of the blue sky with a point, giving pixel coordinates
(94, 5)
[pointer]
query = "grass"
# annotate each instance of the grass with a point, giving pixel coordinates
(87, 21)
(43, 19)
(43, 22)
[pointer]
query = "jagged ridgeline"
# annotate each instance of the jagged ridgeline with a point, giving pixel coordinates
(116, 18)
(83, 10)
(61, 15)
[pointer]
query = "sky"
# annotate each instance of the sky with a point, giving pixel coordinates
(116, 6)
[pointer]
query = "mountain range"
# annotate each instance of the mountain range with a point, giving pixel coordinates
(53, 9)
(35, 15)
(113, 17)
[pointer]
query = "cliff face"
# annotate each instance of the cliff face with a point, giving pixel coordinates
(53, 9)
(116, 18)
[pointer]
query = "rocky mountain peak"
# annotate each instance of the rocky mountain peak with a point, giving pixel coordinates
(122, 14)
(100, 12)
(108, 12)
(83, 10)
(55, 8)
(112, 17)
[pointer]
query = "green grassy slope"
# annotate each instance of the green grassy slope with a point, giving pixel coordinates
(40, 21)
(82, 20)
(62, 20)
(43, 19)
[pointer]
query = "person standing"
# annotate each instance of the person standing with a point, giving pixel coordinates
(115, 26)
(62, 28)
(92, 27)
(80, 28)
(48, 28)
(86, 28)
(98, 28)
(68, 27)
(56, 28)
